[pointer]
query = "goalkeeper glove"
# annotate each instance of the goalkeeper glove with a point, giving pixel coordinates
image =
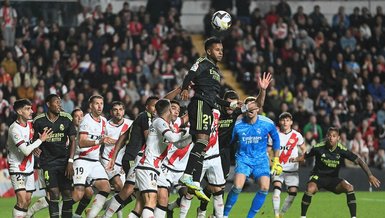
(276, 168)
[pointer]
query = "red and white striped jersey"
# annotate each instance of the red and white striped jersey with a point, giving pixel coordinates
(177, 158)
(95, 130)
(114, 131)
(18, 135)
(157, 144)
(212, 147)
(289, 149)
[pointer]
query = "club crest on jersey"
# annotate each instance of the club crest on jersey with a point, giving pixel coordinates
(61, 127)
(338, 156)
(16, 137)
(259, 131)
(291, 141)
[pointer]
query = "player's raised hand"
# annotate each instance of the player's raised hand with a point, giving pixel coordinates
(45, 135)
(184, 95)
(374, 181)
(264, 82)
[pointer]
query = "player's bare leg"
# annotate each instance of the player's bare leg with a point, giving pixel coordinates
(161, 207)
(23, 199)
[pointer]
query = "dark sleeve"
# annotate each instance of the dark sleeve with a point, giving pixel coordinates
(36, 130)
(72, 129)
(310, 153)
(143, 122)
(189, 77)
(348, 155)
(222, 102)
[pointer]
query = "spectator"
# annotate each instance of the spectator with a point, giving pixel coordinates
(8, 21)
(316, 16)
(3, 137)
(313, 127)
(377, 90)
(300, 18)
(341, 19)
(26, 90)
(359, 147)
(379, 159)
(9, 65)
(284, 10)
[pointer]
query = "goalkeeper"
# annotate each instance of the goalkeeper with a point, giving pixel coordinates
(252, 131)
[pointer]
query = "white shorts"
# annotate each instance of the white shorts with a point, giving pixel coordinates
(88, 171)
(23, 182)
(172, 177)
(41, 180)
(162, 181)
(111, 173)
(146, 180)
(291, 179)
(213, 172)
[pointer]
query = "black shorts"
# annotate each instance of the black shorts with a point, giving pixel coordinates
(200, 116)
(226, 162)
(326, 182)
(55, 178)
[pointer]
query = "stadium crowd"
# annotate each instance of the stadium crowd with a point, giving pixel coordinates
(324, 73)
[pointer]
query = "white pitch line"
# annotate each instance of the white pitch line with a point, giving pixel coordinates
(371, 199)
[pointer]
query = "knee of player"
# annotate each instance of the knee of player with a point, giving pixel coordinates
(236, 189)
(23, 202)
(311, 189)
(349, 187)
(54, 194)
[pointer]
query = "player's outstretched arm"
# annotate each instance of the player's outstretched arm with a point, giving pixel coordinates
(27, 149)
(372, 179)
(172, 94)
(263, 83)
(118, 145)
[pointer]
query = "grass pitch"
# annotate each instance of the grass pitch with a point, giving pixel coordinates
(324, 204)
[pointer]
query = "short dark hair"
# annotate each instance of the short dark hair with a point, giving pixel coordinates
(91, 99)
(250, 99)
(21, 103)
(175, 102)
(210, 41)
(285, 115)
(161, 106)
(151, 98)
(50, 97)
(231, 94)
(334, 129)
(117, 103)
(74, 111)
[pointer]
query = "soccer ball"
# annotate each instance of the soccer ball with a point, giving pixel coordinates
(221, 20)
